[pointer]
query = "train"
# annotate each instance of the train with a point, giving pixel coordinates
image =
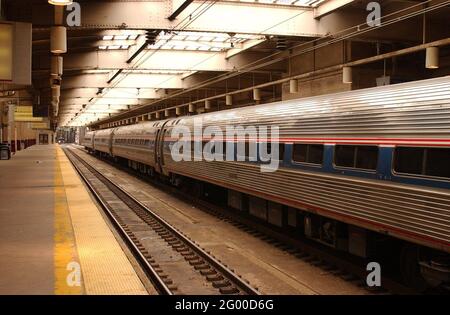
(358, 170)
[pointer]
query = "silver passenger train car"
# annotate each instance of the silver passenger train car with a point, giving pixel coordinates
(377, 159)
(88, 141)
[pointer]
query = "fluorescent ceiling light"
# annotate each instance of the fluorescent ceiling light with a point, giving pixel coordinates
(120, 37)
(193, 37)
(60, 2)
(207, 38)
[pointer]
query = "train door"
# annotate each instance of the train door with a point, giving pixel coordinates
(92, 140)
(43, 138)
(110, 142)
(159, 148)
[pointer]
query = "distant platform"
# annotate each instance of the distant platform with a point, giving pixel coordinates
(54, 240)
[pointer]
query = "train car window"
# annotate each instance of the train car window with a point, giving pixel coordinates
(308, 153)
(300, 152)
(438, 162)
(210, 149)
(238, 148)
(344, 155)
(366, 157)
(409, 160)
(315, 153)
(269, 149)
(193, 148)
(281, 151)
(422, 161)
(250, 155)
(362, 157)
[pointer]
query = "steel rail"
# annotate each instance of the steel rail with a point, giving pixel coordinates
(229, 274)
(156, 280)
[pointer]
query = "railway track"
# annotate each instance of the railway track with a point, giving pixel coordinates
(174, 263)
(348, 268)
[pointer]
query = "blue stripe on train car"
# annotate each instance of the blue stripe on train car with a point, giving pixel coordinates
(383, 172)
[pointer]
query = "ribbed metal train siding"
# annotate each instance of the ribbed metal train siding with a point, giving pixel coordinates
(87, 140)
(419, 109)
(139, 154)
(422, 215)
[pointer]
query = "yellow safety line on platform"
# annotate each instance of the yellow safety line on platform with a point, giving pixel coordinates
(105, 267)
(66, 266)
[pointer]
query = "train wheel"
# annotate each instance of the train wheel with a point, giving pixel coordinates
(410, 268)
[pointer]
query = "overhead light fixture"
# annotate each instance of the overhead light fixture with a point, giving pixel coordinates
(229, 100)
(256, 94)
(56, 65)
(432, 58)
(293, 86)
(60, 2)
(121, 37)
(347, 75)
(58, 40)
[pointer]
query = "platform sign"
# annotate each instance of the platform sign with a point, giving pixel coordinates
(41, 125)
(25, 114)
(6, 52)
(40, 110)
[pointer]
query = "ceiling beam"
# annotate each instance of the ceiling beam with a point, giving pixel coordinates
(159, 60)
(116, 93)
(157, 81)
(272, 20)
(330, 6)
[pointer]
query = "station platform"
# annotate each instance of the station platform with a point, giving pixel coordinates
(53, 238)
